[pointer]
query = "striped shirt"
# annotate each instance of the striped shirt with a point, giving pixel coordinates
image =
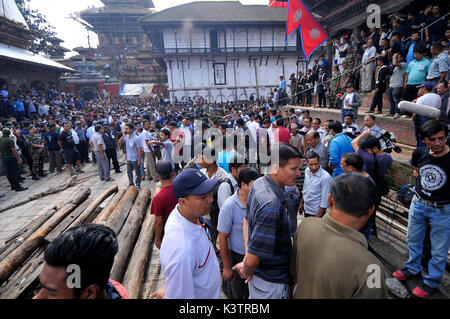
(268, 230)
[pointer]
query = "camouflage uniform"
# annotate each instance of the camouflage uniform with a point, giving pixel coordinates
(37, 157)
(351, 58)
(334, 88)
(345, 75)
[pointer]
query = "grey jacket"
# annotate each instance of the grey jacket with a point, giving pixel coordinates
(356, 103)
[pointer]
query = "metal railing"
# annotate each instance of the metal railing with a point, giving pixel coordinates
(224, 50)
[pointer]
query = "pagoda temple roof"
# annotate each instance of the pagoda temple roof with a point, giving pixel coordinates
(24, 56)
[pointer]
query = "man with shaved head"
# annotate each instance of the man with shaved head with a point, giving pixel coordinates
(314, 143)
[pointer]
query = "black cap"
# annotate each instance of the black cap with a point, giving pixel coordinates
(163, 168)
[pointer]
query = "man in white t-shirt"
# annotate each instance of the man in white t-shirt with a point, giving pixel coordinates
(426, 97)
(187, 255)
(187, 134)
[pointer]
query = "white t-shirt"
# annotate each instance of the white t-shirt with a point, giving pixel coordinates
(430, 99)
(348, 99)
(253, 127)
(187, 135)
(220, 173)
(188, 260)
(145, 136)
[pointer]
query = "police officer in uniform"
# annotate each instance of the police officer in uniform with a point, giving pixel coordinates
(334, 87)
(301, 83)
(310, 80)
(10, 160)
(36, 145)
(321, 88)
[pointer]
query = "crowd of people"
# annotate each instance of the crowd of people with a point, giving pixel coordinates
(234, 177)
(253, 169)
(407, 51)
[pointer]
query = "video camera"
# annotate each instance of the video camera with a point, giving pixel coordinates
(387, 141)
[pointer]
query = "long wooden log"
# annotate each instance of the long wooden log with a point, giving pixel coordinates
(93, 206)
(51, 190)
(108, 209)
(14, 241)
(134, 276)
(67, 221)
(120, 213)
(129, 233)
(21, 253)
(25, 276)
(30, 270)
(135, 273)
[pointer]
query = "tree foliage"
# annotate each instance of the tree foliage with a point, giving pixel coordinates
(40, 29)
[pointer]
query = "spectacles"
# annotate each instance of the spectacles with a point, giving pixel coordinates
(435, 139)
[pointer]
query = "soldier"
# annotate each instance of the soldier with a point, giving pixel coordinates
(301, 82)
(334, 87)
(293, 87)
(351, 58)
(345, 78)
(36, 144)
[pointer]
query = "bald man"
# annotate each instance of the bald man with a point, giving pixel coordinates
(313, 143)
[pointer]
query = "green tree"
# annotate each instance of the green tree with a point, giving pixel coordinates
(41, 30)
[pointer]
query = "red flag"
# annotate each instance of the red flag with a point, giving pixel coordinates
(278, 4)
(312, 33)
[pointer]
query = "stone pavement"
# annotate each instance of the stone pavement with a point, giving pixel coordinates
(14, 219)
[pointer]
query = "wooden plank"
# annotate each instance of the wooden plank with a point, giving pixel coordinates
(129, 233)
(21, 253)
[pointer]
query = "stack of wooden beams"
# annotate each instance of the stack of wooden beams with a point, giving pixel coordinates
(127, 212)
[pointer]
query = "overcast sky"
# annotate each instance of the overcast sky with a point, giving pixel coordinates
(73, 33)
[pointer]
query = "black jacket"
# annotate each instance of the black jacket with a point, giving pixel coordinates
(110, 140)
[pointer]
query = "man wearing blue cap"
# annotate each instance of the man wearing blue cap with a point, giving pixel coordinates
(187, 255)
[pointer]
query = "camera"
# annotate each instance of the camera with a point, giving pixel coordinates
(387, 141)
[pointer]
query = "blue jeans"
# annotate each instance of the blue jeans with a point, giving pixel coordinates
(439, 218)
(395, 95)
(422, 120)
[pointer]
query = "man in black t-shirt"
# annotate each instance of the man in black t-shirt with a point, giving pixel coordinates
(430, 205)
(67, 144)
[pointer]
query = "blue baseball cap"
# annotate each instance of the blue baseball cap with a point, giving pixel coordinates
(428, 85)
(192, 182)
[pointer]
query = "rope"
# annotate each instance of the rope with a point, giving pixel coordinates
(361, 65)
(153, 279)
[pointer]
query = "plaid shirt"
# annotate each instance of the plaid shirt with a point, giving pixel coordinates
(440, 64)
(268, 228)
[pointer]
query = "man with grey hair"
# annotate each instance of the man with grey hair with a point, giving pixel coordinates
(314, 143)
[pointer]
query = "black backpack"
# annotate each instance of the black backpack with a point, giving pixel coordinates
(214, 214)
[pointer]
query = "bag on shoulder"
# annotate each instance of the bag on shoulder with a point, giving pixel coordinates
(214, 214)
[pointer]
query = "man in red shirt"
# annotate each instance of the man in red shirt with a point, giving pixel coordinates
(164, 201)
(282, 134)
